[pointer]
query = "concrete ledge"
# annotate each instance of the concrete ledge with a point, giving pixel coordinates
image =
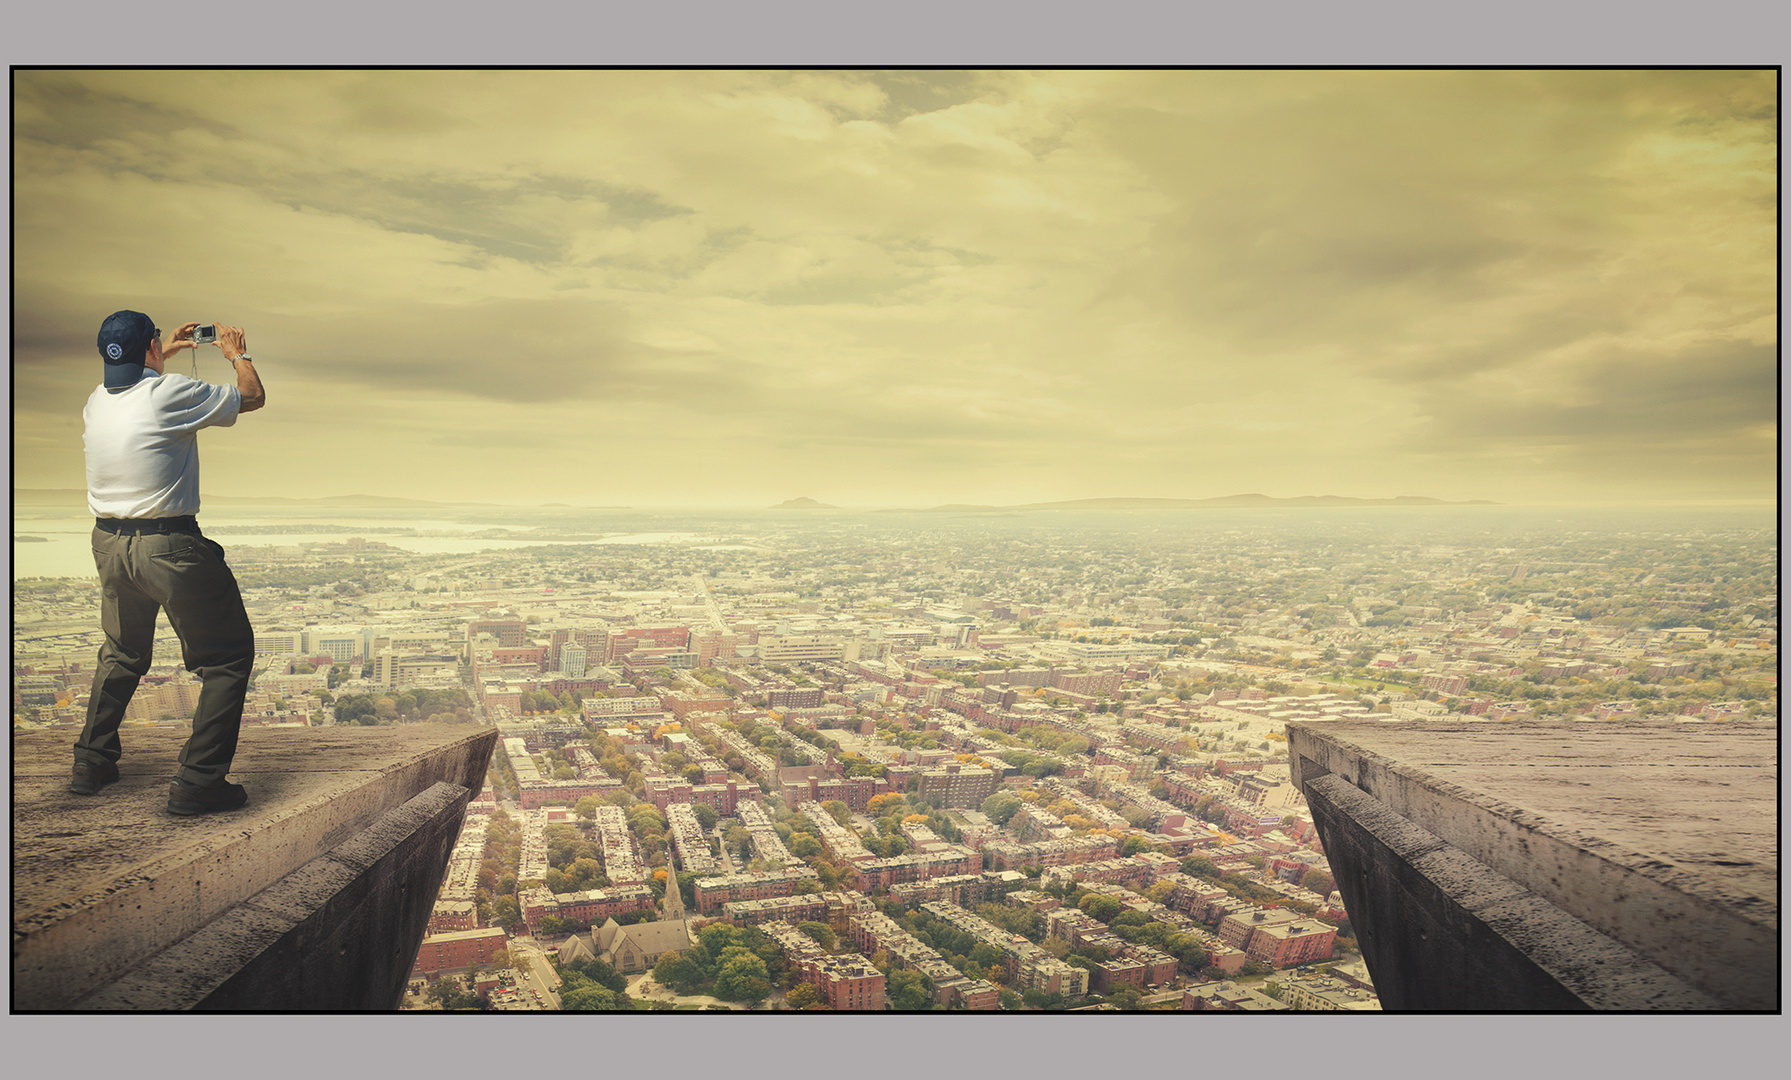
(102, 884)
(338, 933)
(1657, 838)
(1450, 934)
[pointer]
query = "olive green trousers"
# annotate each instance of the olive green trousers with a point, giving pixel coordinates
(182, 573)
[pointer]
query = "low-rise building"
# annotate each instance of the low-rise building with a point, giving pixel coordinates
(458, 951)
(1321, 994)
(1228, 997)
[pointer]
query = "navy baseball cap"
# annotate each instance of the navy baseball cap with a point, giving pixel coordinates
(123, 340)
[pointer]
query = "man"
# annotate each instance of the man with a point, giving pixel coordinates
(141, 439)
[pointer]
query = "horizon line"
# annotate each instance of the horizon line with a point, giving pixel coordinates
(1357, 502)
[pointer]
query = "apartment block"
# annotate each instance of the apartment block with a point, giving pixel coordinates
(592, 906)
(620, 863)
(688, 842)
(712, 893)
(1010, 855)
(882, 874)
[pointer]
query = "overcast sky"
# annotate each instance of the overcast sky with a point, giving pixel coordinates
(735, 288)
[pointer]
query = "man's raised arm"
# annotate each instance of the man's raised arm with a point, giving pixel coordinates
(248, 381)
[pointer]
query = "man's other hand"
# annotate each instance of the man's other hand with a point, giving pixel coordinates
(182, 339)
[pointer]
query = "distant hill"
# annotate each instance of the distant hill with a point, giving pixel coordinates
(1252, 499)
(804, 503)
(338, 500)
(49, 497)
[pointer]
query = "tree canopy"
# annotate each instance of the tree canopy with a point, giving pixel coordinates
(907, 990)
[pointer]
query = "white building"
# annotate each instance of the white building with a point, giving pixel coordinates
(572, 660)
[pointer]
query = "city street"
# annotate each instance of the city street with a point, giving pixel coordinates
(536, 973)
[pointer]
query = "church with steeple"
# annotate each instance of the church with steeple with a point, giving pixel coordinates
(636, 948)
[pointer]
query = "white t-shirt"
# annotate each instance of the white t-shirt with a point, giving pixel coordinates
(143, 444)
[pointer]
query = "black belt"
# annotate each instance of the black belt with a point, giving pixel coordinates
(138, 526)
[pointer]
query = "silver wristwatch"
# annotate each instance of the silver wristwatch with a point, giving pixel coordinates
(241, 356)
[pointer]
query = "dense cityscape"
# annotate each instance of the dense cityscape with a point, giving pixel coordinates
(827, 760)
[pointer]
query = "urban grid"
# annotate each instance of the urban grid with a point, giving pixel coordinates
(840, 761)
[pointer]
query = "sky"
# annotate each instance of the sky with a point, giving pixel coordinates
(911, 288)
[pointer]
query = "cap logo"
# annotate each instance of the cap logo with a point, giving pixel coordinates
(114, 351)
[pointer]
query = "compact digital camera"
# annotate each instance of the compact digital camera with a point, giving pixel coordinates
(204, 335)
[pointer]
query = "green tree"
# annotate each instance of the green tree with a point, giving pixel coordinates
(1038, 999)
(1132, 845)
(802, 996)
(821, 933)
(596, 971)
(1200, 866)
(717, 938)
(1100, 907)
(589, 997)
(1001, 806)
(743, 976)
(907, 990)
(450, 994)
(357, 708)
(586, 874)
(507, 913)
(683, 974)
(1128, 998)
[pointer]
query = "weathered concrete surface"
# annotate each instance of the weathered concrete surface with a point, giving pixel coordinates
(102, 884)
(1659, 836)
(1443, 930)
(340, 932)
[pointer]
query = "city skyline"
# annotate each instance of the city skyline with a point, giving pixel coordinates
(915, 288)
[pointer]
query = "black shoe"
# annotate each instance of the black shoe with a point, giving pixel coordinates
(184, 798)
(89, 778)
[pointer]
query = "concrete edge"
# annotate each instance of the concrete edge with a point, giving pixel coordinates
(1713, 945)
(1594, 969)
(151, 906)
(273, 951)
(1651, 866)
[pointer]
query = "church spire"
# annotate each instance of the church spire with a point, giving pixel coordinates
(674, 898)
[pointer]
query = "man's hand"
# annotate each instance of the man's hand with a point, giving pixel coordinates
(182, 339)
(230, 340)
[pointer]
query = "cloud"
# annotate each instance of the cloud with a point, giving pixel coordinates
(1713, 390)
(1469, 284)
(1702, 418)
